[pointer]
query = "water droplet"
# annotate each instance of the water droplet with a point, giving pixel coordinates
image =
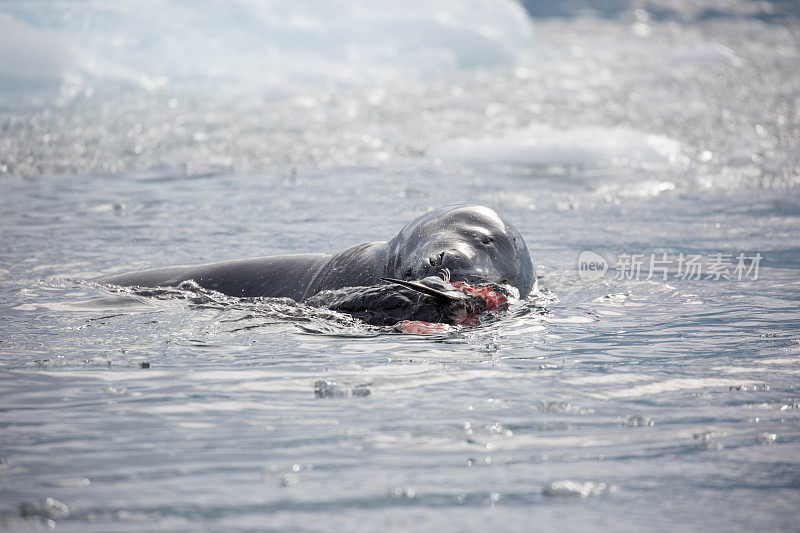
(766, 438)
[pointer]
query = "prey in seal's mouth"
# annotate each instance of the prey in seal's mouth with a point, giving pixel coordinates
(429, 305)
(461, 304)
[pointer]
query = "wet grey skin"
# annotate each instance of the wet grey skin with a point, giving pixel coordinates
(469, 243)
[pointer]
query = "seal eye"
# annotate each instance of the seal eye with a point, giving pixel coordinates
(487, 240)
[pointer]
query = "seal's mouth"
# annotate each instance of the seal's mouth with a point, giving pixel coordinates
(471, 276)
(477, 279)
(465, 280)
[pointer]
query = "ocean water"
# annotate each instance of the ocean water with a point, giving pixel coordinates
(649, 153)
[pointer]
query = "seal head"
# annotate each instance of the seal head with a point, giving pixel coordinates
(469, 243)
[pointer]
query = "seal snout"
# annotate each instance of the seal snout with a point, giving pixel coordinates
(450, 259)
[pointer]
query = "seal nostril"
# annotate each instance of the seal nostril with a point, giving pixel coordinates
(436, 261)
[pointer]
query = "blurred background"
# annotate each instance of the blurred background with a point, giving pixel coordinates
(248, 86)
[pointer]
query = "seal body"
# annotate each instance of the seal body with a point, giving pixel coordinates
(467, 243)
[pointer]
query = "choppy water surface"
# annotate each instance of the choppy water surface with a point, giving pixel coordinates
(621, 402)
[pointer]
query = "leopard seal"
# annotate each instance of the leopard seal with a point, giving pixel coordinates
(469, 243)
